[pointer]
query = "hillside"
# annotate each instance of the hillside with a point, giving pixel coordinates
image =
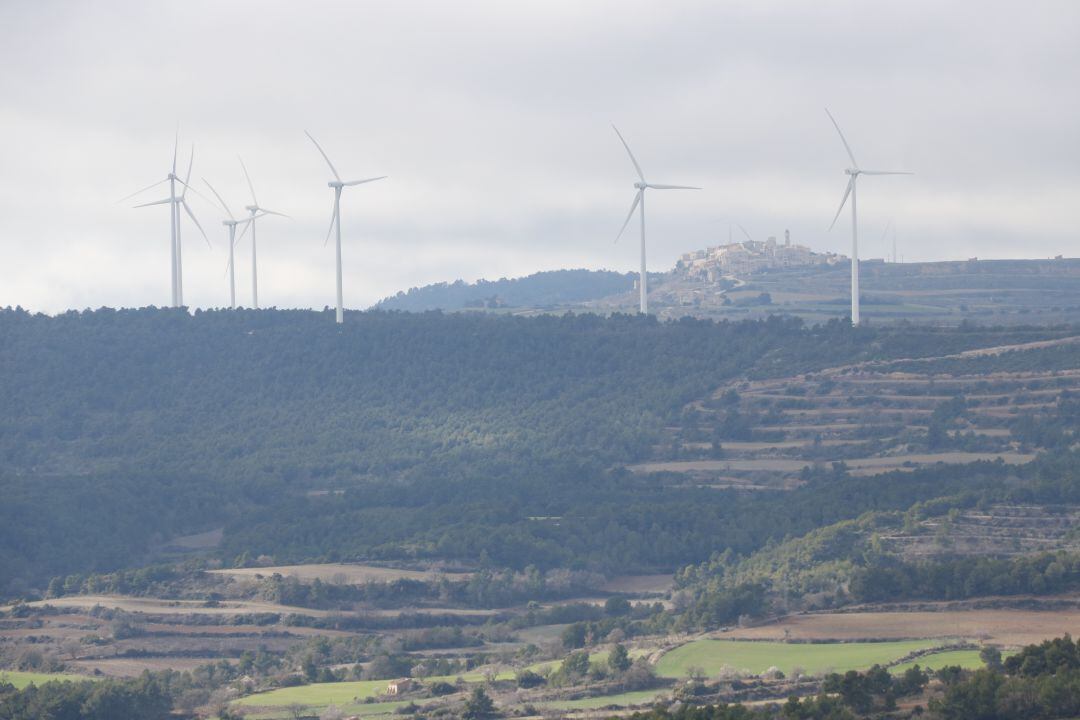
(296, 435)
(276, 503)
(543, 290)
(997, 292)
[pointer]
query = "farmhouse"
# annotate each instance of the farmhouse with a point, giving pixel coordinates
(396, 687)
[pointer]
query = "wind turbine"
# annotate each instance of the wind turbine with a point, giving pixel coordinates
(231, 224)
(254, 209)
(890, 226)
(853, 174)
(174, 201)
(181, 202)
(639, 199)
(335, 220)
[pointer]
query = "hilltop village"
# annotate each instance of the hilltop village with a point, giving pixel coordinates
(744, 258)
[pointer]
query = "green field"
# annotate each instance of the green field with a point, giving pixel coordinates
(366, 710)
(967, 659)
(757, 657)
(345, 693)
(640, 697)
(22, 679)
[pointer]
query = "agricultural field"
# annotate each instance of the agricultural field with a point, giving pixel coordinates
(871, 418)
(341, 573)
(936, 621)
(628, 699)
(714, 656)
(367, 696)
(967, 659)
(21, 679)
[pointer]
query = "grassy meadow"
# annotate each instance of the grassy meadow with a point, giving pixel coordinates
(756, 657)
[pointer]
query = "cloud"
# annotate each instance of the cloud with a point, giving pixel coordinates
(493, 122)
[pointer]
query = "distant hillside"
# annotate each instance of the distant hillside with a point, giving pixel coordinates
(539, 290)
(396, 435)
(991, 292)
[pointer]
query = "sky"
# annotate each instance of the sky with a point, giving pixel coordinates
(493, 121)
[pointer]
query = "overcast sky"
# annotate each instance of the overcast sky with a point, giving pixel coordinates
(493, 121)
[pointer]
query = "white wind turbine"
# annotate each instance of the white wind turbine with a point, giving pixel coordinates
(254, 210)
(335, 220)
(181, 202)
(639, 199)
(853, 174)
(231, 224)
(175, 202)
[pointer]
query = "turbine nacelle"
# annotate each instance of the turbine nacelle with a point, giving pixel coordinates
(852, 171)
(335, 184)
(641, 185)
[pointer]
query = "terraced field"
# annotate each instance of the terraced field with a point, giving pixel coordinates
(873, 417)
(937, 621)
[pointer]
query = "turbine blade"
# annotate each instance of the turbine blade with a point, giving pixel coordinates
(673, 187)
(181, 198)
(843, 201)
(175, 148)
(633, 207)
(243, 232)
(148, 187)
(264, 211)
(156, 202)
(361, 182)
(323, 153)
(194, 220)
(854, 162)
(254, 200)
(887, 226)
(220, 199)
(333, 220)
(637, 167)
(744, 232)
(191, 161)
(884, 172)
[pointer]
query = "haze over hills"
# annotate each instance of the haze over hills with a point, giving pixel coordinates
(986, 291)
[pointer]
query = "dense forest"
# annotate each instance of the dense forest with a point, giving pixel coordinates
(494, 440)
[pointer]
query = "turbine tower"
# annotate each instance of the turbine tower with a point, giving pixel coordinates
(254, 210)
(335, 220)
(639, 199)
(174, 201)
(853, 174)
(181, 202)
(231, 224)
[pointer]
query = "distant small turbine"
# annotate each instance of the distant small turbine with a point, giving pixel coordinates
(254, 209)
(890, 226)
(335, 219)
(853, 173)
(639, 199)
(231, 224)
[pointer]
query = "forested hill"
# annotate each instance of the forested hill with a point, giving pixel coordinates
(447, 433)
(539, 290)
